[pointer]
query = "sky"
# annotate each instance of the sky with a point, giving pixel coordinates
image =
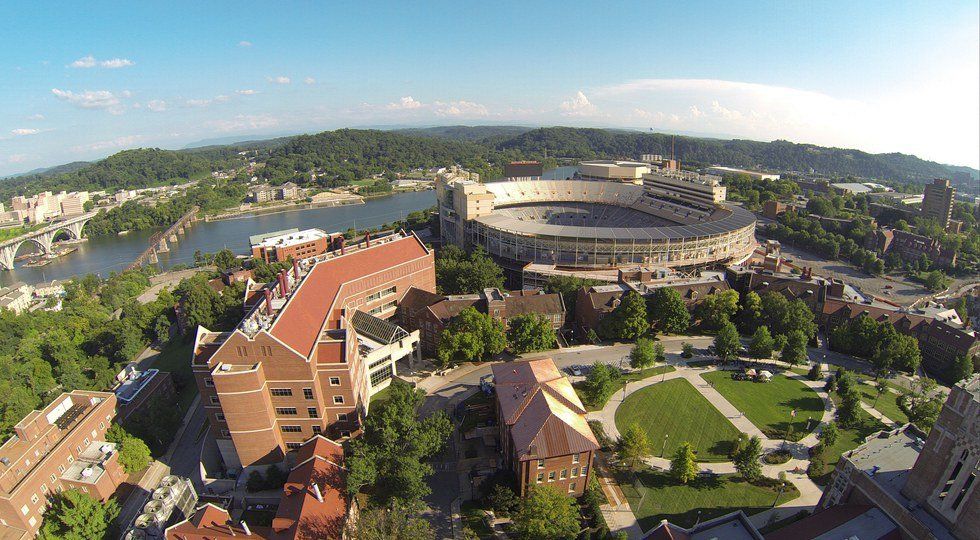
(80, 81)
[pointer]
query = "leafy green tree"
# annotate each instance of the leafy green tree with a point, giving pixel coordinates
(547, 514)
(762, 344)
(198, 302)
(726, 342)
(794, 352)
(600, 383)
(900, 352)
(530, 332)
(643, 354)
(161, 328)
(74, 515)
(717, 309)
(829, 434)
(750, 314)
(848, 407)
(683, 469)
(470, 336)
(134, 455)
(392, 452)
(226, 260)
(503, 500)
(628, 320)
(921, 403)
(633, 445)
(568, 287)
(668, 312)
(687, 350)
(961, 368)
(814, 373)
(384, 523)
(460, 273)
(747, 460)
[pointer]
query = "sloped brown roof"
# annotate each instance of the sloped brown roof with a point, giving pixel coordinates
(211, 522)
(450, 307)
(534, 303)
(416, 299)
(544, 415)
(301, 515)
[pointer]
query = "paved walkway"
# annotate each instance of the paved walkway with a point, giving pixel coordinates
(795, 468)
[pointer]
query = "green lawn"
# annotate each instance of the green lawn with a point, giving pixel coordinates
(768, 405)
(662, 498)
(630, 377)
(676, 409)
(176, 358)
(849, 439)
(472, 516)
(886, 404)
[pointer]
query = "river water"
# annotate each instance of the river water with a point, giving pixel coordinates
(102, 255)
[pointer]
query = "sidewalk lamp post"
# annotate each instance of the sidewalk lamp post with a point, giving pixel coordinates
(664, 447)
(778, 494)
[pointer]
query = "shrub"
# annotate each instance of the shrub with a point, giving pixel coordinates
(814, 373)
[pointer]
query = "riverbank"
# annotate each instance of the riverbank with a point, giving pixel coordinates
(286, 207)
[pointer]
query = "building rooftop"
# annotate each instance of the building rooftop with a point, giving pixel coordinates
(842, 521)
(134, 383)
(90, 465)
(287, 238)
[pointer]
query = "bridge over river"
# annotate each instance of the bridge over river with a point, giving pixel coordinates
(43, 238)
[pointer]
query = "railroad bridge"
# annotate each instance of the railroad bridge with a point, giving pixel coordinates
(43, 238)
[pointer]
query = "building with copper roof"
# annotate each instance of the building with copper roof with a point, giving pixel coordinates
(61, 446)
(313, 348)
(543, 432)
(430, 313)
(313, 505)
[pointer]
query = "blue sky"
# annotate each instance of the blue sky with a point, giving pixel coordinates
(84, 81)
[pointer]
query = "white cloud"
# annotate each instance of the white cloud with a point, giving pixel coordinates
(244, 43)
(309, 80)
(695, 111)
(118, 142)
(281, 79)
(220, 98)
(156, 105)
(405, 103)
(246, 92)
(578, 105)
(16, 158)
(244, 122)
(460, 108)
(89, 61)
(19, 132)
(36, 117)
(94, 99)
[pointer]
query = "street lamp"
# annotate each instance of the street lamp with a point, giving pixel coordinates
(778, 494)
(664, 447)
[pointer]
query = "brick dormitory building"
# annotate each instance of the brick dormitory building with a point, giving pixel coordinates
(313, 348)
(543, 432)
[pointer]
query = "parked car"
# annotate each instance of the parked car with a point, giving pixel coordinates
(575, 370)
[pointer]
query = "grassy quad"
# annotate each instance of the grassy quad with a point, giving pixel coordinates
(886, 404)
(849, 439)
(675, 408)
(630, 377)
(663, 498)
(768, 405)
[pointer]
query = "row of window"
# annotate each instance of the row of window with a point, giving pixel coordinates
(564, 474)
(291, 411)
(575, 459)
(383, 307)
(337, 400)
(307, 392)
(380, 294)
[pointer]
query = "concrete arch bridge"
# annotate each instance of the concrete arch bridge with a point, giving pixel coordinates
(43, 238)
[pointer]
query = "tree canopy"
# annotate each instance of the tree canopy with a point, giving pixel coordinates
(529, 333)
(547, 514)
(469, 337)
(628, 320)
(460, 273)
(668, 312)
(74, 515)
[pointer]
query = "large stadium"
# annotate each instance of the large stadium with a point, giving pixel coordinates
(670, 221)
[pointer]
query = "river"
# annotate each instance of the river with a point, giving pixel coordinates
(102, 255)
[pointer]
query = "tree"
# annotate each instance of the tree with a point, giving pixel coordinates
(600, 383)
(134, 455)
(747, 460)
(687, 350)
(897, 351)
(829, 434)
(74, 515)
(643, 354)
(847, 409)
(761, 345)
(921, 403)
(568, 287)
(794, 352)
(470, 336)
(726, 342)
(530, 332)
(503, 500)
(391, 453)
(381, 523)
(460, 273)
(717, 309)
(547, 514)
(750, 315)
(161, 328)
(198, 302)
(628, 320)
(668, 312)
(226, 260)
(814, 373)
(633, 445)
(961, 368)
(683, 469)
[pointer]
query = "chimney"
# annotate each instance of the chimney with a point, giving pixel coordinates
(283, 288)
(248, 532)
(316, 491)
(342, 241)
(296, 270)
(367, 239)
(268, 301)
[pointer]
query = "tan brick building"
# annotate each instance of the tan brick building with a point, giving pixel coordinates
(543, 432)
(291, 244)
(59, 447)
(311, 351)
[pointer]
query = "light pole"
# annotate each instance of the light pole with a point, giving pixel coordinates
(778, 494)
(664, 447)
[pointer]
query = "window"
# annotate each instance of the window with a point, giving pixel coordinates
(574, 472)
(286, 411)
(61, 468)
(102, 425)
(293, 445)
(540, 477)
(338, 400)
(86, 441)
(313, 412)
(334, 381)
(209, 382)
(32, 521)
(551, 476)
(576, 458)
(24, 509)
(44, 487)
(344, 433)
(376, 363)
(34, 498)
(317, 430)
(342, 417)
(380, 294)
(225, 433)
(242, 351)
(281, 392)
(291, 429)
(308, 393)
(381, 375)
(540, 463)
(966, 487)
(214, 400)
(585, 470)
(564, 474)
(54, 478)
(219, 417)
(571, 487)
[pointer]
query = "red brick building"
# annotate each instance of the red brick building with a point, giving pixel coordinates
(59, 447)
(430, 313)
(313, 505)
(308, 356)
(543, 432)
(290, 244)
